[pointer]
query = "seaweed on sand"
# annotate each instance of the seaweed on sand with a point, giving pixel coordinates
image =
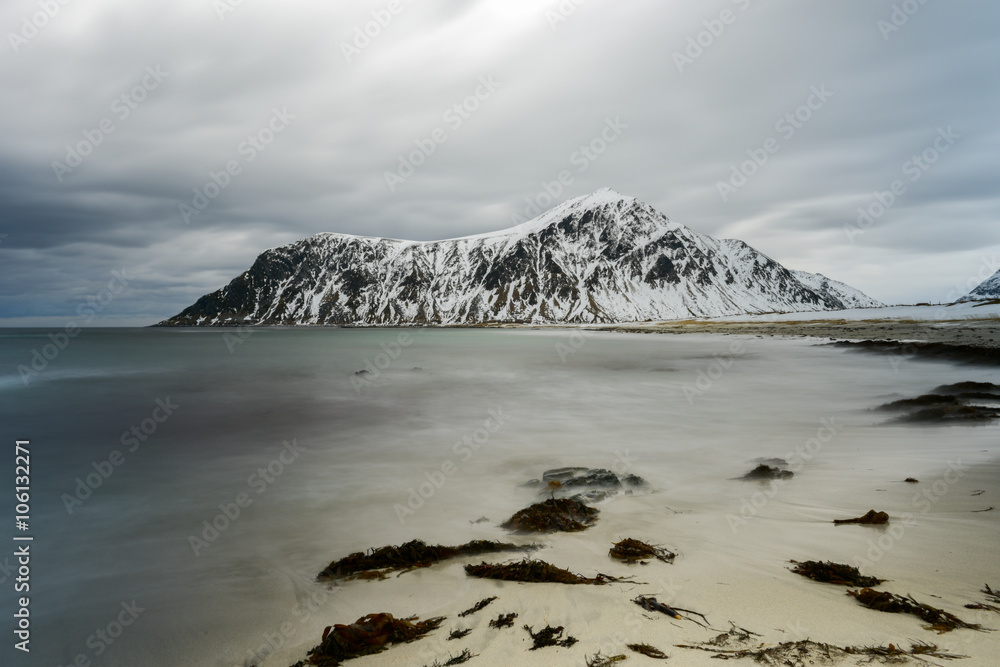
(368, 635)
(482, 604)
(552, 515)
(892, 651)
(992, 596)
(534, 571)
(599, 660)
(463, 657)
(871, 517)
(633, 551)
(937, 619)
(652, 604)
(834, 573)
(648, 651)
(503, 621)
(458, 634)
(810, 652)
(549, 636)
(378, 562)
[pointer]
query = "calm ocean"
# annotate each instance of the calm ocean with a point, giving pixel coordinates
(187, 485)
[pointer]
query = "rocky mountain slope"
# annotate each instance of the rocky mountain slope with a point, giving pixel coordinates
(603, 257)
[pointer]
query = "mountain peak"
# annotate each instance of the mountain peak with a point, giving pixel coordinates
(602, 257)
(988, 290)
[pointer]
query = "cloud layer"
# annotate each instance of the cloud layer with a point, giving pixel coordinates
(179, 141)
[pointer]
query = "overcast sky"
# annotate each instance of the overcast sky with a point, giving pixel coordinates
(114, 114)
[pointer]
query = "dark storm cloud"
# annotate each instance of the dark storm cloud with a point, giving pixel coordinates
(309, 113)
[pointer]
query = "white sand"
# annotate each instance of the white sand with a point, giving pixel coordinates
(941, 556)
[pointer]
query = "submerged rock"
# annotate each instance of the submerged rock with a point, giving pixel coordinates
(587, 484)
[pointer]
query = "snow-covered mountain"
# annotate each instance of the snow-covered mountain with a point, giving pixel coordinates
(603, 257)
(988, 290)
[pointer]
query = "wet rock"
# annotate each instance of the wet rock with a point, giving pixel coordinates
(765, 472)
(870, 518)
(561, 474)
(588, 484)
(952, 403)
(983, 388)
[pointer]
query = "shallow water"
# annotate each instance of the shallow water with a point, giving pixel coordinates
(439, 432)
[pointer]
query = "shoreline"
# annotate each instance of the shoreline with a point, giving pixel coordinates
(981, 334)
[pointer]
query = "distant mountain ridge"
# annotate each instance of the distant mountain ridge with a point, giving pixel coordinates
(602, 257)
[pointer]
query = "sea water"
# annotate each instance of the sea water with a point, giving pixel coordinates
(187, 485)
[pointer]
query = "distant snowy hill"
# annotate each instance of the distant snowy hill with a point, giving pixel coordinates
(988, 290)
(603, 257)
(849, 296)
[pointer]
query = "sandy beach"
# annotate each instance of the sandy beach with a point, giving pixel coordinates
(735, 539)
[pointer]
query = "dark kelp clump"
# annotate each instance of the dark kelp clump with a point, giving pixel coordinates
(553, 515)
(534, 571)
(766, 472)
(648, 651)
(937, 619)
(633, 551)
(503, 621)
(378, 562)
(871, 517)
(367, 635)
(482, 604)
(834, 573)
(549, 636)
